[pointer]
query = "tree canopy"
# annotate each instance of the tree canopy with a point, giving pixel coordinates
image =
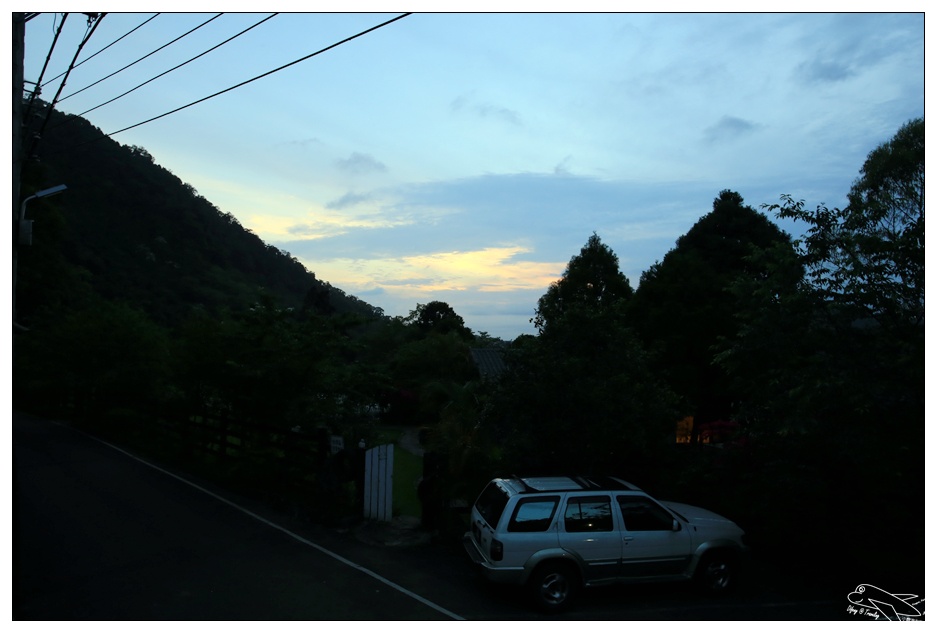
(438, 317)
(869, 255)
(851, 328)
(580, 396)
(591, 281)
(684, 305)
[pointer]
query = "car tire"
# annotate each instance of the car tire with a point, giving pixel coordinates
(717, 573)
(553, 585)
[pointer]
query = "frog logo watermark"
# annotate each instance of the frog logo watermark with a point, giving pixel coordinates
(874, 603)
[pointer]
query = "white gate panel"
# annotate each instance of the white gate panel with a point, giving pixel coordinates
(378, 483)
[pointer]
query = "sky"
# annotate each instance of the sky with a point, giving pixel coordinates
(467, 157)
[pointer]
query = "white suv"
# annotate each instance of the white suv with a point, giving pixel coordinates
(557, 534)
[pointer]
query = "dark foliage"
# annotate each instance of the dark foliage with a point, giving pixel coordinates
(133, 231)
(684, 305)
(580, 397)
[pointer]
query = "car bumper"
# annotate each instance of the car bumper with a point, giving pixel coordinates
(495, 574)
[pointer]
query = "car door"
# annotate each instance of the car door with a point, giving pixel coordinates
(588, 530)
(654, 542)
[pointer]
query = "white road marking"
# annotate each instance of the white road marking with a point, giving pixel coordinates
(295, 536)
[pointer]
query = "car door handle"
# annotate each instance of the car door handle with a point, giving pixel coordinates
(628, 538)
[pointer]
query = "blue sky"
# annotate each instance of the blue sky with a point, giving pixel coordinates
(467, 157)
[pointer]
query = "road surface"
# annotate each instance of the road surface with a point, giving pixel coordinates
(102, 534)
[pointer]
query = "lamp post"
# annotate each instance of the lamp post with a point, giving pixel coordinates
(24, 235)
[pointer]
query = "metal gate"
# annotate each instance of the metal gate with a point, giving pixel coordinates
(378, 483)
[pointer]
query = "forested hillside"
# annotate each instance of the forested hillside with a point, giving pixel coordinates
(129, 229)
(145, 314)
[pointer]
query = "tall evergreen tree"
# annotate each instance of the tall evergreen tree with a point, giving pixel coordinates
(684, 305)
(580, 395)
(592, 281)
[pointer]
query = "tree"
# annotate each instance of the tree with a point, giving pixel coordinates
(591, 281)
(438, 317)
(869, 256)
(684, 305)
(106, 356)
(269, 364)
(829, 361)
(860, 306)
(580, 395)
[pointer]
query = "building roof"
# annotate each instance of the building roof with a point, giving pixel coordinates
(490, 362)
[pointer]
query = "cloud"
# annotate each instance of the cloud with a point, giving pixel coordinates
(493, 235)
(494, 269)
(821, 71)
(562, 169)
(491, 245)
(860, 47)
(303, 230)
(547, 216)
(486, 110)
(302, 143)
(728, 128)
(348, 200)
(361, 164)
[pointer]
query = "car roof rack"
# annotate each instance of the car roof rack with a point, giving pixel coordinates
(526, 487)
(555, 483)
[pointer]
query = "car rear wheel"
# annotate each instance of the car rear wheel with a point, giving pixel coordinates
(717, 573)
(553, 586)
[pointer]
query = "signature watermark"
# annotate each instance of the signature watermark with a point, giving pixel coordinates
(872, 602)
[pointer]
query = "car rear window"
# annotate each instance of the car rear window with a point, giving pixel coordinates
(491, 503)
(533, 514)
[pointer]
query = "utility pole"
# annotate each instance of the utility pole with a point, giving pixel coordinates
(19, 47)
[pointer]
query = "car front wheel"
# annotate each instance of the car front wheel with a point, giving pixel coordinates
(553, 585)
(717, 573)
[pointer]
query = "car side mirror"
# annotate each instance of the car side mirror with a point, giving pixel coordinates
(676, 525)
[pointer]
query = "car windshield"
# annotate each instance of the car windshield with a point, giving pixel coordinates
(491, 503)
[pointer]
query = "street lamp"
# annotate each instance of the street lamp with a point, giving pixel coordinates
(24, 236)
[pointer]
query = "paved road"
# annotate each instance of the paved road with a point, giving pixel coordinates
(101, 535)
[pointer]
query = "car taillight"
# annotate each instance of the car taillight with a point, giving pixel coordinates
(497, 550)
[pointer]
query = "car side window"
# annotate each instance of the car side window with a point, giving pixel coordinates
(533, 514)
(642, 514)
(588, 513)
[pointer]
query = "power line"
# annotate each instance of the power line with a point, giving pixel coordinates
(45, 64)
(90, 31)
(243, 83)
(38, 89)
(155, 15)
(143, 57)
(174, 68)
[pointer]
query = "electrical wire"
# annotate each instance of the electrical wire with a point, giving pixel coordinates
(243, 83)
(88, 33)
(154, 16)
(172, 69)
(38, 89)
(143, 57)
(266, 74)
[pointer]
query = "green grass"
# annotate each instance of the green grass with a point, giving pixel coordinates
(407, 468)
